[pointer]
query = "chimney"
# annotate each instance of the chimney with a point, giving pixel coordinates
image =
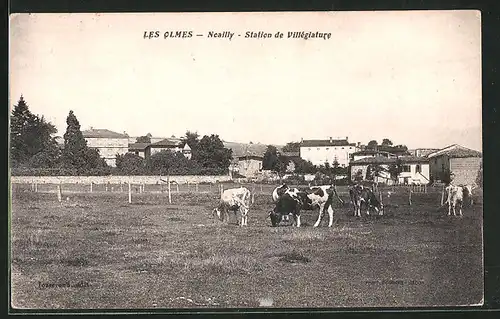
(91, 128)
(301, 139)
(331, 140)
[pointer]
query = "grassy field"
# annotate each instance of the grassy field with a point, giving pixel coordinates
(96, 251)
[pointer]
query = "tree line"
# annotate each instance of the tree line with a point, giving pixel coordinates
(35, 151)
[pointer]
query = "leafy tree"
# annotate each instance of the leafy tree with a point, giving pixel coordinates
(359, 176)
(144, 139)
(130, 164)
(386, 142)
(395, 169)
(212, 156)
(173, 163)
(291, 147)
(30, 135)
(271, 159)
(304, 167)
(372, 145)
(192, 139)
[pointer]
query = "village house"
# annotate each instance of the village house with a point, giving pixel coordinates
(463, 162)
(173, 145)
(141, 149)
(414, 170)
(422, 152)
(250, 165)
(108, 143)
(290, 168)
(370, 153)
(321, 151)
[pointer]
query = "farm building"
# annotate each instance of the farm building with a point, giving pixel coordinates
(108, 143)
(463, 162)
(370, 153)
(171, 145)
(250, 165)
(321, 151)
(422, 152)
(141, 149)
(414, 170)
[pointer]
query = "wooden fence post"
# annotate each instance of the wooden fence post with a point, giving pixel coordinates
(129, 193)
(143, 187)
(221, 190)
(59, 192)
(169, 193)
(36, 187)
(121, 186)
(177, 187)
(107, 184)
(409, 197)
(196, 187)
(442, 196)
(91, 183)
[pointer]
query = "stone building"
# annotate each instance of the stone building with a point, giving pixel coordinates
(108, 143)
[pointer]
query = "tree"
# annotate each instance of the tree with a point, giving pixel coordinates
(372, 145)
(130, 164)
(144, 139)
(395, 169)
(212, 156)
(271, 159)
(75, 145)
(304, 167)
(29, 135)
(291, 147)
(173, 163)
(386, 142)
(191, 139)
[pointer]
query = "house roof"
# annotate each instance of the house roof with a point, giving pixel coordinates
(385, 160)
(316, 143)
(250, 157)
(103, 133)
(291, 154)
(374, 160)
(369, 152)
(138, 146)
(166, 143)
(455, 151)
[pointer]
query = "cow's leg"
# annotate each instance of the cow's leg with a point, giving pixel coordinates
(449, 208)
(330, 215)
(298, 220)
(316, 224)
(460, 209)
(358, 208)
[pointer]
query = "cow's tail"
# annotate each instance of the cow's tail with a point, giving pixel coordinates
(337, 195)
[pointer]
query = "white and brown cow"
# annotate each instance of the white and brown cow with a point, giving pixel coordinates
(234, 199)
(456, 197)
(294, 200)
(364, 196)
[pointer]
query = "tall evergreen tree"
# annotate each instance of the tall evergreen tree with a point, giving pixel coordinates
(30, 136)
(75, 145)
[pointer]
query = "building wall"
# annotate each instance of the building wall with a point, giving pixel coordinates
(438, 165)
(465, 169)
(250, 167)
(108, 147)
(413, 177)
(320, 155)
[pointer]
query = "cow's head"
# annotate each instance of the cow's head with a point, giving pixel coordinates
(467, 191)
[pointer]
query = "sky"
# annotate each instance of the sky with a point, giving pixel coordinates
(413, 77)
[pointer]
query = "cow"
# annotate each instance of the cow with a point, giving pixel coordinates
(360, 195)
(456, 197)
(235, 199)
(294, 200)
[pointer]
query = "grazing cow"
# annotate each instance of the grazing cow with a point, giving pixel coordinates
(456, 197)
(235, 199)
(294, 200)
(279, 191)
(364, 195)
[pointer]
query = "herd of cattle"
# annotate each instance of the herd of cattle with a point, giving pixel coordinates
(291, 201)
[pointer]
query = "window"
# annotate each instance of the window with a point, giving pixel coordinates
(327, 148)
(406, 168)
(342, 148)
(418, 168)
(309, 149)
(317, 149)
